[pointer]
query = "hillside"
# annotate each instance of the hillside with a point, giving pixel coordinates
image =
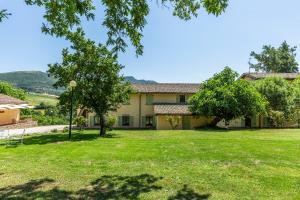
(39, 82)
(31, 81)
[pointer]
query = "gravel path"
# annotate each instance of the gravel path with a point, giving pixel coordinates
(39, 129)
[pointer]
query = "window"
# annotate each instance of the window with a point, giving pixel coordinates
(182, 99)
(125, 120)
(149, 99)
(149, 120)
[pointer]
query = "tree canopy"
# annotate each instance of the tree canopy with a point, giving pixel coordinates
(96, 72)
(8, 89)
(225, 97)
(123, 19)
(3, 14)
(275, 60)
(281, 95)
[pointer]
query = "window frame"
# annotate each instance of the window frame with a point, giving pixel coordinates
(127, 117)
(184, 96)
(149, 119)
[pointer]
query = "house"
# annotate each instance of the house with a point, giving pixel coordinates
(151, 104)
(10, 109)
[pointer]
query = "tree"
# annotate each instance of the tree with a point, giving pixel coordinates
(8, 89)
(275, 60)
(122, 19)
(96, 71)
(282, 97)
(4, 14)
(224, 97)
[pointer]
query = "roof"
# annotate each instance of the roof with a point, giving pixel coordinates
(176, 88)
(4, 99)
(171, 110)
(260, 75)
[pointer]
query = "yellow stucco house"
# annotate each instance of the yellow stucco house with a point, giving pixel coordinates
(150, 105)
(10, 109)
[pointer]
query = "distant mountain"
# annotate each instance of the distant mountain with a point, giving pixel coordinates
(39, 82)
(131, 79)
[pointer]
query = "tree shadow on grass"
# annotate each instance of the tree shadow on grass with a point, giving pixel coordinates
(120, 187)
(188, 194)
(33, 190)
(106, 187)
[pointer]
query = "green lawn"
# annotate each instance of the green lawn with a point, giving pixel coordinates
(254, 164)
(35, 99)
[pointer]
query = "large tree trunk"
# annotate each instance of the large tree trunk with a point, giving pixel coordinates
(102, 125)
(214, 122)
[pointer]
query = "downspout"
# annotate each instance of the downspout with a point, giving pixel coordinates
(140, 109)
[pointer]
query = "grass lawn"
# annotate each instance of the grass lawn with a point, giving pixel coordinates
(35, 99)
(208, 164)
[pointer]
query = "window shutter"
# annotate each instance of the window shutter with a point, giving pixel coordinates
(177, 98)
(242, 122)
(120, 121)
(143, 121)
(91, 121)
(154, 121)
(131, 120)
(266, 122)
(149, 99)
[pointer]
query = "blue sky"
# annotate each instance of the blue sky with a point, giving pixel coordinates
(175, 50)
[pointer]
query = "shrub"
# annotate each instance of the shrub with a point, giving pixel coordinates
(277, 118)
(174, 121)
(65, 129)
(80, 122)
(54, 130)
(110, 121)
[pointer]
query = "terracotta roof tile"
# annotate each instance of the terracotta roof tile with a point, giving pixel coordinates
(4, 99)
(189, 88)
(171, 110)
(259, 75)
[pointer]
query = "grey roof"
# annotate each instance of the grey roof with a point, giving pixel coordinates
(189, 88)
(4, 99)
(171, 110)
(260, 75)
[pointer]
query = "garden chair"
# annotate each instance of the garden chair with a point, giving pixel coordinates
(15, 137)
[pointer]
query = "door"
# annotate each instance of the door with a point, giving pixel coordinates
(186, 123)
(248, 122)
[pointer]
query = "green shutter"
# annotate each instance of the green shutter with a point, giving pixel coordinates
(131, 120)
(149, 99)
(177, 98)
(266, 122)
(120, 121)
(143, 121)
(242, 122)
(154, 121)
(91, 121)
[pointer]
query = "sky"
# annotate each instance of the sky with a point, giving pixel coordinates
(174, 50)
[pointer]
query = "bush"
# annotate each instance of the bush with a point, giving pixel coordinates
(277, 118)
(80, 122)
(173, 121)
(54, 130)
(110, 121)
(65, 129)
